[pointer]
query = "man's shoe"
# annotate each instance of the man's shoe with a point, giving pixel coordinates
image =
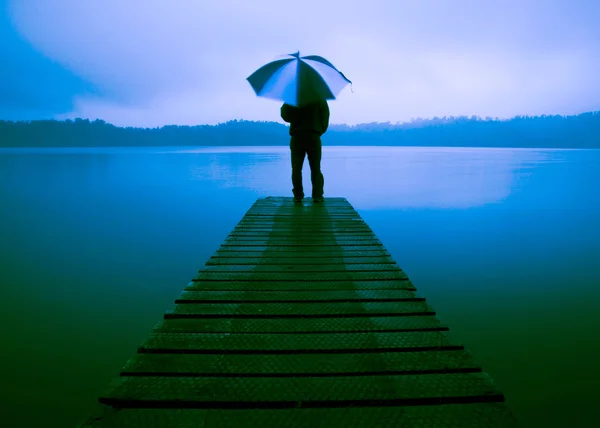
(318, 199)
(298, 199)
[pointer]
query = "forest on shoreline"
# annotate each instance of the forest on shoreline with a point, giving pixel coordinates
(576, 131)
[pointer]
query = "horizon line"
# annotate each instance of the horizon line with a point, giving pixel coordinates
(412, 120)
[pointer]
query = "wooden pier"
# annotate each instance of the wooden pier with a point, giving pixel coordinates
(301, 319)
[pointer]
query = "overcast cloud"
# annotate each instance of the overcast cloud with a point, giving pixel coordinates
(156, 62)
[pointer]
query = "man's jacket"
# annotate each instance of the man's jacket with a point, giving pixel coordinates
(310, 118)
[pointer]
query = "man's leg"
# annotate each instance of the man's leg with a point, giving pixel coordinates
(298, 153)
(314, 160)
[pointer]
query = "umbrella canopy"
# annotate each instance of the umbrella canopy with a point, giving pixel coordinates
(298, 80)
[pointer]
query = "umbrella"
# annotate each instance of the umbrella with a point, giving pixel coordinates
(298, 80)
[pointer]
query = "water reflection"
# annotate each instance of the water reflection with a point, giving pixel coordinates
(380, 177)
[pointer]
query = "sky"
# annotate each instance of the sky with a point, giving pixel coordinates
(156, 62)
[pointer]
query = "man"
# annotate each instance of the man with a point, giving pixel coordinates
(307, 124)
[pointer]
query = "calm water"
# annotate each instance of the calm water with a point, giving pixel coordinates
(95, 244)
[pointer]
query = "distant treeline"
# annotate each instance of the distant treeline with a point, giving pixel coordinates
(579, 131)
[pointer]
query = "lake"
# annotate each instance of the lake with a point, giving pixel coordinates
(95, 244)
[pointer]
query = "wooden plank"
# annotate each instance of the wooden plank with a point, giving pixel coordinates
(271, 365)
(309, 210)
(320, 309)
(285, 267)
(303, 206)
(306, 201)
(311, 213)
(299, 233)
(305, 211)
(302, 251)
(298, 255)
(312, 207)
(374, 323)
(347, 261)
(302, 237)
(302, 226)
(314, 343)
(316, 232)
(296, 296)
(257, 285)
(313, 229)
(319, 225)
(339, 245)
(308, 228)
(320, 245)
(314, 215)
(312, 232)
(343, 391)
(290, 200)
(276, 222)
(300, 276)
(480, 415)
(285, 222)
(290, 217)
(307, 225)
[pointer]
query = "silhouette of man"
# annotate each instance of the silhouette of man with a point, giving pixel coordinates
(307, 124)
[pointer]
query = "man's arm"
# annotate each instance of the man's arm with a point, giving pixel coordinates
(288, 113)
(324, 113)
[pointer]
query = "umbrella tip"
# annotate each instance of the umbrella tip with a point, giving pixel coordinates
(297, 54)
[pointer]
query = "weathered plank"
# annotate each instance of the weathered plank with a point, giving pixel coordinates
(283, 267)
(304, 250)
(300, 276)
(271, 365)
(206, 343)
(301, 325)
(309, 211)
(304, 238)
(308, 225)
(473, 415)
(294, 213)
(312, 261)
(298, 310)
(301, 256)
(302, 242)
(266, 392)
(285, 200)
(273, 232)
(296, 296)
(322, 218)
(302, 233)
(301, 223)
(311, 208)
(317, 286)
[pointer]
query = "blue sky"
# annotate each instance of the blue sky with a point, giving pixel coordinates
(156, 62)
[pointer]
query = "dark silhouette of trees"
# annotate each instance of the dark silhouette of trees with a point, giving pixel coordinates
(578, 131)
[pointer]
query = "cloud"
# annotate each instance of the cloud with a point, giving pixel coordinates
(32, 85)
(155, 62)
